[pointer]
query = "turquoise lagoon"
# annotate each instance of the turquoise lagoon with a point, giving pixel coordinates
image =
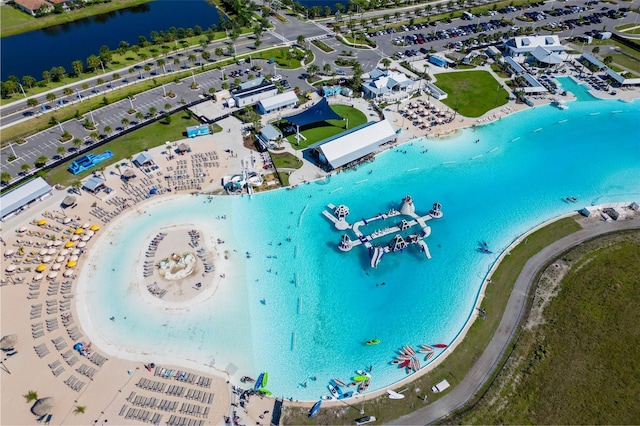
(322, 304)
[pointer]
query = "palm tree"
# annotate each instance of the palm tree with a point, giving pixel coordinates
(94, 135)
(25, 168)
(5, 177)
(124, 122)
(41, 161)
(385, 62)
(167, 106)
(77, 142)
(79, 409)
(77, 186)
(139, 115)
(327, 68)
(61, 150)
(117, 166)
(31, 396)
(107, 130)
(153, 111)
(313, 69)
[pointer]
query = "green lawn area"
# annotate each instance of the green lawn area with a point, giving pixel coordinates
(325, 129)
(631, 64)
(582, 364)
(286, 160)
(473, 93)
(126, 146)
(457, 364)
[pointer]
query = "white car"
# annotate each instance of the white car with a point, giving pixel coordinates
(276, 78)
(365, 420)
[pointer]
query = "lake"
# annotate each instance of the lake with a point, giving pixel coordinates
(62, 44)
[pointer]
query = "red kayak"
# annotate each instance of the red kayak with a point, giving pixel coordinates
(405, 363)
(440, 345)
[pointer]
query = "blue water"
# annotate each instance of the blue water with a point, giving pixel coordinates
(523, 167)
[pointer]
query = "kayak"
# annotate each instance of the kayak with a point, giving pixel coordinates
(440, 345)
(264, 392)
(372, 342)
(339, 382)
(315, 408)
(334, 391)
(405, 363)
(360, 378)
(428, 357)
(265, 378)
(394, 395)
(258, 384)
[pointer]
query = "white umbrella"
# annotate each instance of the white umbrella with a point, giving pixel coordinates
(90, 233)
(46, 259)
(9, 253)
(49, 243)
(75, 238)
(51, 251)
(56, 266)
(22, 229)
(64, 252)
(73, 258)
(86, 238)
(86, 225)
(75, 252)
(11, 268)
(68, 273)
(82, 244)
(38, 277)
(42, 252)
(59, 259)
(57, 243)
(66, 220)
(52, 275)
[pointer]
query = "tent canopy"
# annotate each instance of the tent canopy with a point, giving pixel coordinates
(319, 112)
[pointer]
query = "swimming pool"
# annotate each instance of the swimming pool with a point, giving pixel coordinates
(322, 304)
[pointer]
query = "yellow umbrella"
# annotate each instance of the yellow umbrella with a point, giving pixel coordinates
(71, 264)
(41, 222)
(69, 244)
(41, 268)
(79, 231)
(95, 227)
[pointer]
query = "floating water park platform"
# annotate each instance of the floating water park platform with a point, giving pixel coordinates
(87, 161)
(338, 216)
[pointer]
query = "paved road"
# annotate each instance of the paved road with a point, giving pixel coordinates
(487, 362)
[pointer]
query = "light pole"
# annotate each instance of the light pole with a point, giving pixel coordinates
(22, 88)
(131, 101)
(102, 65)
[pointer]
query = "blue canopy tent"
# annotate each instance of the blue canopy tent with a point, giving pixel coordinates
(319, 112)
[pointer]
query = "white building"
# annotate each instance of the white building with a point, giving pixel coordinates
(354, 144)
(277, 102)
(544, 48)
(24, 195)
(382, 82)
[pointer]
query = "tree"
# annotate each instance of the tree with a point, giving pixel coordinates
(79, 409)
(31, 396)
(596, 50)
(41, 161)
(257, 42)
(46, 75)
(25, 168)
(5, 177)
(105, 55)
(313, 69)
(206, 55)
(327, 68)
(385, 62)
(192, 58)
(78, 67)
(94, 135)
(300, 41)
(153, 111)
(77, 142)
(139, 115)
(219, 51)
(61, 150)
(124, 122)
(77, 186)
(107, 130)
(31, 102)
(51, 97)
(167, 106)
(607, 59)
(28, 81)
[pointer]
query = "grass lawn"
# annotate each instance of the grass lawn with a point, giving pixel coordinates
(473, 93)
(582, 364)
(325, 129)
(457, 364)
(279, 55)
(286, 160)
(148, 137)
(632, 64)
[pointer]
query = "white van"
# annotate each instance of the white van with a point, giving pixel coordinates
(440, 386)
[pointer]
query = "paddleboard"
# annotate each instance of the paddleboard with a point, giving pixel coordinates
(394, 395)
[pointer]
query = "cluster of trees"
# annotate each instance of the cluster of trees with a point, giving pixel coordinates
(58, 8)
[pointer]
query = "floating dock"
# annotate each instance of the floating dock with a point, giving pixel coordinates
(337, 215)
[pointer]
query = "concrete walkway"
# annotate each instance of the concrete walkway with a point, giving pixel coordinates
(508, 327)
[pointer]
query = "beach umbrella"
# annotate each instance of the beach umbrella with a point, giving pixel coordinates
(79, 231)
(71, 264)
(74, 258)
(52, 275)
(42, 222)
(42, 252)
(41, 268)
(66, 220)
(9, 253)
(95, 227)
(86, 225)
(68, 273)
(56, 267)
(42, 406)
(38, 277)
(22, 229)
(64, 252)
(49, 244)
(75, 238)
(75, 252)
(57, 243)
(90, 233)
(59, 259)
(51, 251)
(9, 341)
(46, 259)
(86, 238)
(69, 244)
(82, 244)
(11, 268)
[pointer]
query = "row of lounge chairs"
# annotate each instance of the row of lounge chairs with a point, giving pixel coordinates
(194, 410)
(41, 350)
(184, 421)
(74, 383)
(85, 370)
(151, 385)
(143, 415)
(202, 396)
(182, 376)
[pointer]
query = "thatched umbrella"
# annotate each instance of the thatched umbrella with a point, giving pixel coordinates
(42, 406)
(129, 174)
(9, 341)
(69, 200)
(183, 147)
